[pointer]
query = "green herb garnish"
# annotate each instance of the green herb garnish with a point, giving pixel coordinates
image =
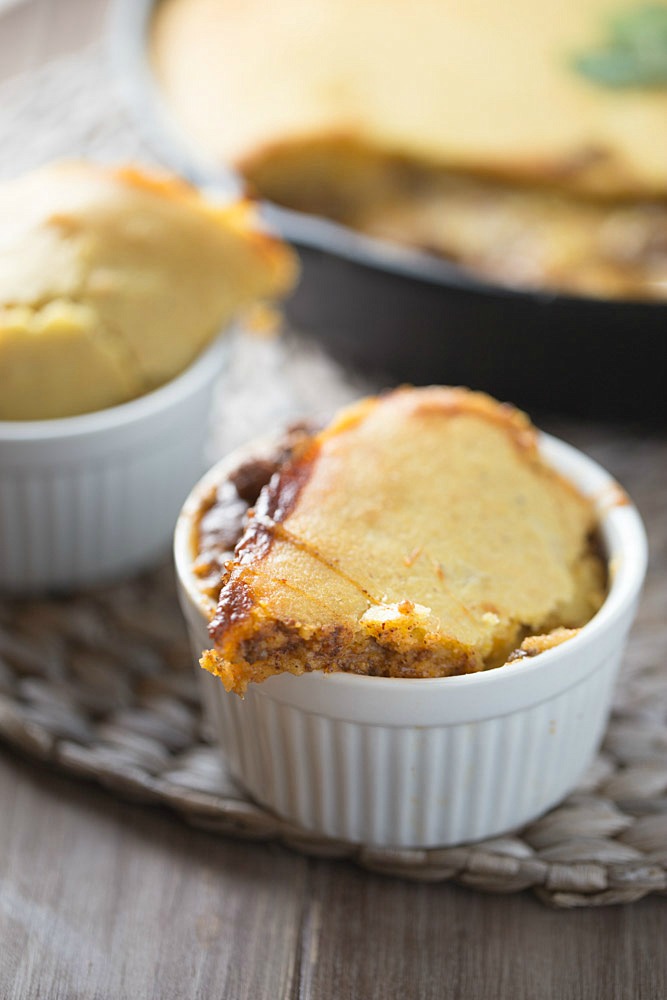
(635, 53)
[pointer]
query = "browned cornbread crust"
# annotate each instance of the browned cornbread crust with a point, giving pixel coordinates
(420, 535)
(519, 234)
(493, 152)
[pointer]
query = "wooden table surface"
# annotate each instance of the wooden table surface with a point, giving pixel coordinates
(101, 899)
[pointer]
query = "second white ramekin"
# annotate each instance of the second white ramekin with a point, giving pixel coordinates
(95, 497)
(433, 762)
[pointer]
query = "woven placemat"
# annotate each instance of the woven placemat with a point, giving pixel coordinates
(101, 684)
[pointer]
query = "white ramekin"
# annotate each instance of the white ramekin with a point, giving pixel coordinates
(91, 498)
(434, 762)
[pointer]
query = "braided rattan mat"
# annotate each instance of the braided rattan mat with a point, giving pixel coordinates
(101, 684)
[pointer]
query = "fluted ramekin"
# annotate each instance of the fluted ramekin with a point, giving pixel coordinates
(95, 497)
(432, 762)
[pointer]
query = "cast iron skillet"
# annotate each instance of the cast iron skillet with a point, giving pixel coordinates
(410, 317)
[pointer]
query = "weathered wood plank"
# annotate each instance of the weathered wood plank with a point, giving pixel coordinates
(99, 898)
(366, 936)
(38, 30)
(103, 899)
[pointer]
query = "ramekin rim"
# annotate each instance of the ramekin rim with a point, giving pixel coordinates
(145, 405)
(619, 517)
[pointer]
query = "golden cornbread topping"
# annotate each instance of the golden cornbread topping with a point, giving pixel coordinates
(509, 140)
(419, 535)
(514, 234)
(223, 513)
(113, 280)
